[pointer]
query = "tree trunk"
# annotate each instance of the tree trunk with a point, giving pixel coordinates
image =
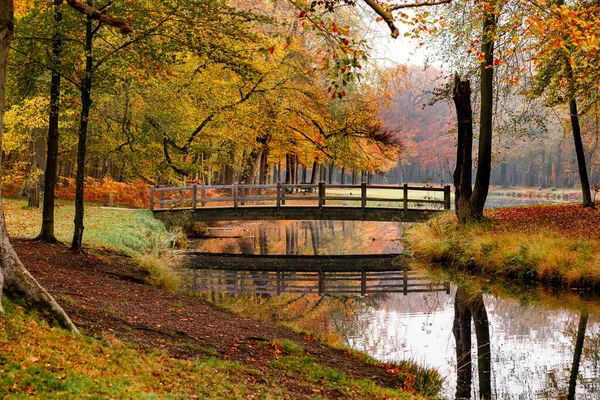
(464, 151)
(86, 103)
(581, 166)
(484, 157)
(47, 232)
(14, 278)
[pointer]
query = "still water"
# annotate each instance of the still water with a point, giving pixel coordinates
(532, 336)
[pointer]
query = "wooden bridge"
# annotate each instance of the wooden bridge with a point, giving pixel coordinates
(300, 202)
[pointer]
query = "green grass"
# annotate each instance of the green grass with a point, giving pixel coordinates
(125, 230)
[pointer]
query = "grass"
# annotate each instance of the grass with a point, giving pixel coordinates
(37, 360)
(46, 362)
(130, 231)
(546, 256)
(124, 230)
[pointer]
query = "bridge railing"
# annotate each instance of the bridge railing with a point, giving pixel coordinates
(243, 195)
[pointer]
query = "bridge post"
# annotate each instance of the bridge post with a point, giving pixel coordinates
(194, 195)
(235, 195)
(151, 198)
(405, 197)
(203, 195)
(242, 193)
(161, 197)
(321, 194)
(447, 197)
(321, 282)
(278, 194)
(363, 194)
(405, 282)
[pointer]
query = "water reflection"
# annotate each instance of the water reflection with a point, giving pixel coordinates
(303, 238)
(498, 347)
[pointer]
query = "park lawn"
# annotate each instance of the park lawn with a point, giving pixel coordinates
(553, 244)
(121, 229)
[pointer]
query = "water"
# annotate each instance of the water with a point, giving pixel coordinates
(531, 342)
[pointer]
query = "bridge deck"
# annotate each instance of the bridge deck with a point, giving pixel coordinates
(300, 202)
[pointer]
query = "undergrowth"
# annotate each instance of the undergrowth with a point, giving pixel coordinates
(545, 256)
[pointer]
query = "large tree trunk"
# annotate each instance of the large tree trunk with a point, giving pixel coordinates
(484, 157)
(464, 151)
(86, 103)
(47, 232)
(14, 278)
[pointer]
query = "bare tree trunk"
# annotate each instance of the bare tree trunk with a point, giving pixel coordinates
(14, 278)
(464, 149)
(484, 156)
(86, 103)
(47, 231)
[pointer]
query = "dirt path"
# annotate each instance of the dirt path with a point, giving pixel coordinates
(105, 295)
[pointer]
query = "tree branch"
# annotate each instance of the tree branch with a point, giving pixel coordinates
(125, 25)
(419, 4)
(385, 14)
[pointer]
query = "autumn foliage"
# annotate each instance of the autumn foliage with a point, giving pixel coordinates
(134, 194)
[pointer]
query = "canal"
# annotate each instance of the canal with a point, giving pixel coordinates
(532, 332)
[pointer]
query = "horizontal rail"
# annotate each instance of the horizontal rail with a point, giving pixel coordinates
(240, 194)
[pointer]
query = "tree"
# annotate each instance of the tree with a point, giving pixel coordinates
(14, 278)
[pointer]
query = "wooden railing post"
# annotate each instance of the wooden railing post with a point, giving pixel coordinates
(235, 195)
(405, 282)
(194, 195)
(161, 197)
(363, 194)
(321, 283)
(405, 197)
(242, 193)
(203, 195)
(283, 195)
(321, 193)
(278, 194)
(447, 197)
(151, 198)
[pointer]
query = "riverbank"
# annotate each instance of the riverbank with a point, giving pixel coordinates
(142, 339)
(551, 244)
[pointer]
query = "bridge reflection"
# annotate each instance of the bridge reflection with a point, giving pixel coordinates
(313, 282)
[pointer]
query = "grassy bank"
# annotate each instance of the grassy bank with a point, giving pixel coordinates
(556, 244)
(120, 229)
(42, 361)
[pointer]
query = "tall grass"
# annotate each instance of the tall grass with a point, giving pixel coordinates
(546, 256)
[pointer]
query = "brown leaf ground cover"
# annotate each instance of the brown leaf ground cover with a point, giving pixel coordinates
(572, 219)
(105, 296)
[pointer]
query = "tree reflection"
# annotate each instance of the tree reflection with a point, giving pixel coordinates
(577, 354)
(467, 307)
